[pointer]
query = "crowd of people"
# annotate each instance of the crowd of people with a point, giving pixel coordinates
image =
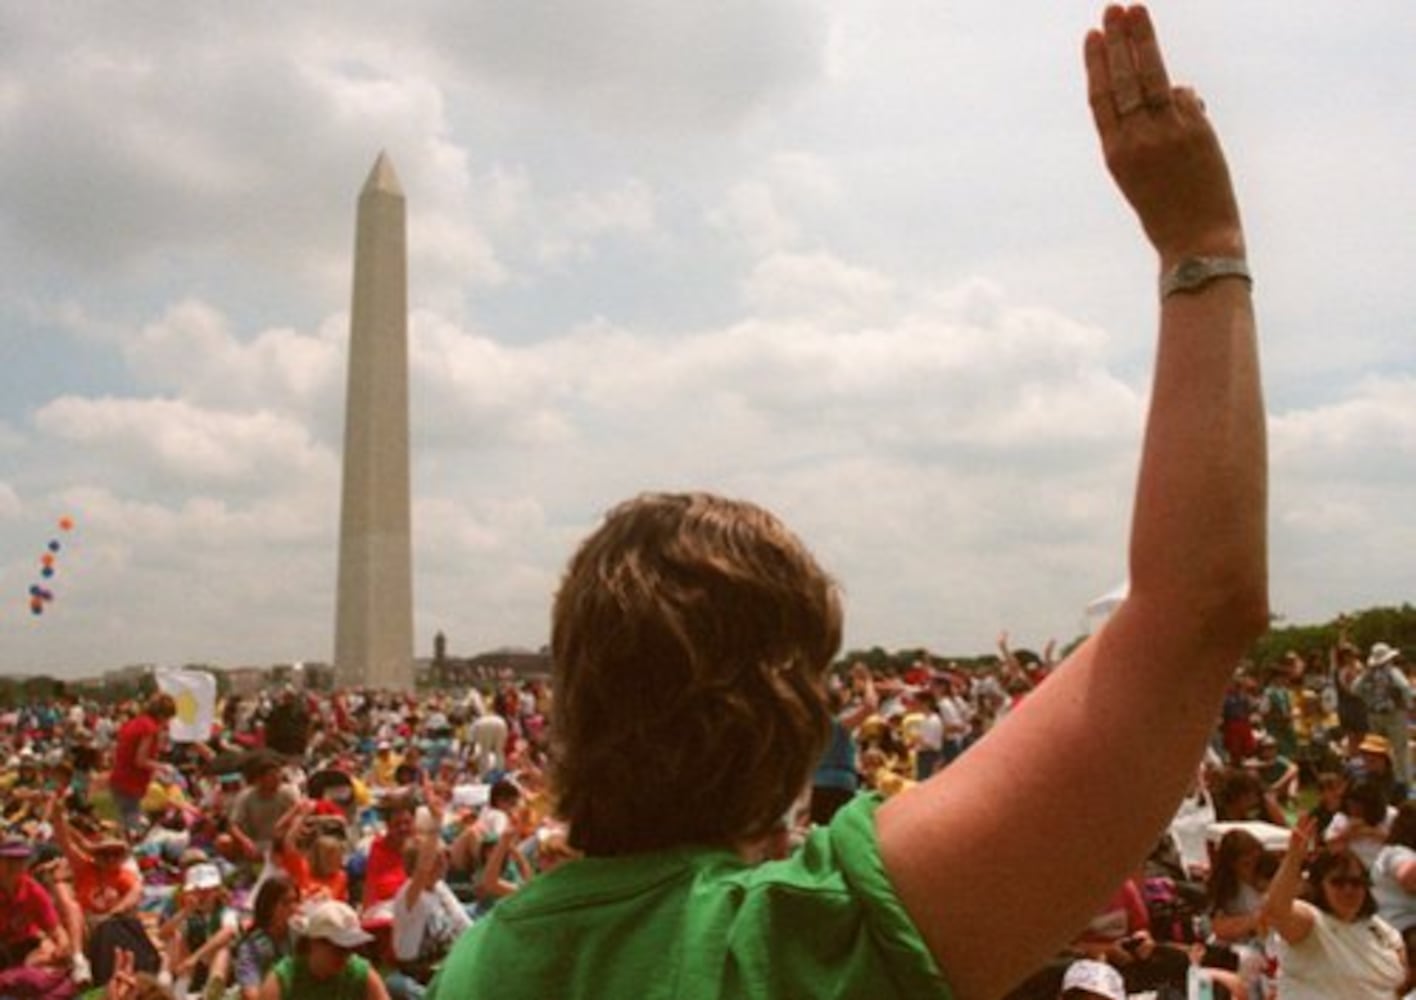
(318, 844)
(662, 821)
(383, 824)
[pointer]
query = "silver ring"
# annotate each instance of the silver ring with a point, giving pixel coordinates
(1122, 110)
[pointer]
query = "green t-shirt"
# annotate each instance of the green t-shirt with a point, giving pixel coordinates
(296, 983)
(697, 922)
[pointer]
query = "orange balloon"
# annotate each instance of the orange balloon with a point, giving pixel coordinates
(66, 524)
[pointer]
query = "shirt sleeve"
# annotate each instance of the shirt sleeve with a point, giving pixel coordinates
(1137, 916)
(857, 850)
(45, 914)
(248, 966)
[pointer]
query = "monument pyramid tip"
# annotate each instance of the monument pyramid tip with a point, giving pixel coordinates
(382, 177)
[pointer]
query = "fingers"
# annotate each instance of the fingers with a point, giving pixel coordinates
(1187, 102)
(1099, 84)
(1154, 82)
(1121, 62)
(1125, 69)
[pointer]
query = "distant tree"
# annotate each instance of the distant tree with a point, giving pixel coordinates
(1395, 626)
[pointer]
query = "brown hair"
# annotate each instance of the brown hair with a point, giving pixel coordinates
(1403, 828)
(161, 706)
(1224, 876)
(1328, 861)
(690, 636)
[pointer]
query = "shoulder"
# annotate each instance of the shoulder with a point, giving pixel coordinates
(706, 911)
(29, 888)
(1385, 933)
(1390, 858)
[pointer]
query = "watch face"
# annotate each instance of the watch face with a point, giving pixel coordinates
(1189, 272)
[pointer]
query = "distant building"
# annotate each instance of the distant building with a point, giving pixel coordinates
(487, 668)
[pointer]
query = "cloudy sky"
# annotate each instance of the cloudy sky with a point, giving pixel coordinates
(857, 261)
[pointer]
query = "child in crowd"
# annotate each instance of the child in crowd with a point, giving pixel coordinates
(310, 849)
(197, 940)
(267, 940)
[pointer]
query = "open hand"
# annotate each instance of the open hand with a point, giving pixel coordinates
(1159, 145)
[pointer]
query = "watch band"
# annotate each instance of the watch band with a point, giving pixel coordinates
(1193, 273)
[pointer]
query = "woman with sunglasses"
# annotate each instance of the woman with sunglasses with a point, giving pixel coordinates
(1332, 943)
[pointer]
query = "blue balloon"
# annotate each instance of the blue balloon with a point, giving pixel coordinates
(47, 572)
(34, 590)
(54, 545)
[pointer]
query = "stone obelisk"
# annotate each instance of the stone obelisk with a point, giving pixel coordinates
(373, 630)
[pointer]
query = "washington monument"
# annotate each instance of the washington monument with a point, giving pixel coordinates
(373, 629)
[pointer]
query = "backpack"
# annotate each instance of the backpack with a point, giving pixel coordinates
(1174, 909)
(124, 931)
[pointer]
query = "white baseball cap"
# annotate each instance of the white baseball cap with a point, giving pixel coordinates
(333, 921)
(202, 876)
(1095, 977)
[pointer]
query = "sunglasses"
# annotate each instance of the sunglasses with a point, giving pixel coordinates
(1347, 882)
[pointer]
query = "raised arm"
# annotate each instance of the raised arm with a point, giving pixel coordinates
(63, 834)
(1284, 911)
(996, 883)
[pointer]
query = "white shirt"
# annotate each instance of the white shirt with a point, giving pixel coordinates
(1396, 906)
(1353, 961)
(954, 713)
(410, 922)
(1364, 847)
(930, 734)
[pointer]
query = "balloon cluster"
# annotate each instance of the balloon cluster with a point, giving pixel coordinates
(39, 594)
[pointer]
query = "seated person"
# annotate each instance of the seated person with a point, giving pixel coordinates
(1332, 788)
(325, 963)
(267, 940)
(1089, 980)
(1371, 762)
(1241, 874)
(1361, 827)
(30, 931)
(106, 888)
(427, 917)
(311, 850)
(1240, 797)
(1278, 774)
(259, 806)
(384, 873)
(197, 940)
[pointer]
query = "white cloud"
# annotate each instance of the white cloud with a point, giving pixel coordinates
(10, 503)
(861, 264)
(643, 65)
(572, 227)
(1373, 432)
(750, 213)
(192, 349)
(184, 444)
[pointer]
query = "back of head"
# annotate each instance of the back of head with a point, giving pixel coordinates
(1403, 828)
(690, 637)
(161, 706)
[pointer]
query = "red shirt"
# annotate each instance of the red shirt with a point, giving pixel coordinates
(126, 777)
(384, 875)
(298, 868)
(28, 913)
(100, 888)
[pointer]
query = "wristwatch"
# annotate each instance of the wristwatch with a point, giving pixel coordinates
(1193, 273)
